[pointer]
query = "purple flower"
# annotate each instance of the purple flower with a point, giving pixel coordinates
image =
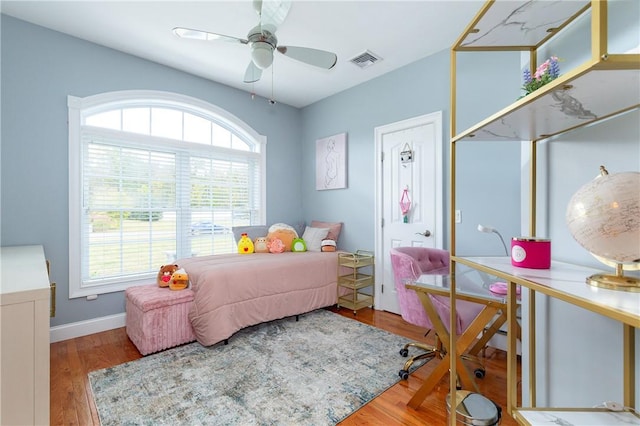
(554, 67)
(546, 72)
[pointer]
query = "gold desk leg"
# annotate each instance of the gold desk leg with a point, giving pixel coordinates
(467, 338)
(629, 365)
(491, 331)
(462, 343)
(512, 349)
(431, 382)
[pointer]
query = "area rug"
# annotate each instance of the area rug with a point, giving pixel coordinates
(315, 371)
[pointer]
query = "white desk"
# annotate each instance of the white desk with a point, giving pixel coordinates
(24, 338)
(565, 282)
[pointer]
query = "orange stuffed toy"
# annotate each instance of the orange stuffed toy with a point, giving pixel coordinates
(164, 274)
(283, 232)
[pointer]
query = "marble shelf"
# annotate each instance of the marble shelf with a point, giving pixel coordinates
(574, 416)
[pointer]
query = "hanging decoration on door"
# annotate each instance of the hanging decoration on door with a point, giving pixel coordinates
(406, 155)
(405, 204)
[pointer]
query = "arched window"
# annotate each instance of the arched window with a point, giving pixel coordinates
(153, 177)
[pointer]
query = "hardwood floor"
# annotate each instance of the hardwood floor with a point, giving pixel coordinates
(72, 360)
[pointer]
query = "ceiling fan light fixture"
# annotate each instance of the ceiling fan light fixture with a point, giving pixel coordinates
(262, 54)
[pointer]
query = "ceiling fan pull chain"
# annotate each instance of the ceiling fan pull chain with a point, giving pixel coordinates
(272, 101)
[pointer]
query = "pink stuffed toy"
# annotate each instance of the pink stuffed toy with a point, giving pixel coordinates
(276, 245)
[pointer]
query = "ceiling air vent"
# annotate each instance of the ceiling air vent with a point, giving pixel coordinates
(365, 59)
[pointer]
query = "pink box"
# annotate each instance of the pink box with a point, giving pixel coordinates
(534, 253)
(158, 318)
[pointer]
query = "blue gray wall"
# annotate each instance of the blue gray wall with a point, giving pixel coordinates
(416, 89)
(574, 160)
(39, 69)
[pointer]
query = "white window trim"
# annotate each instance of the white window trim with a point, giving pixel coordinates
(105, 101)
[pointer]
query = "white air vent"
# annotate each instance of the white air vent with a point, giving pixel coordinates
(365, 59)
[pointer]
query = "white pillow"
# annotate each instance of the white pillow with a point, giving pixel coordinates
(313, 237)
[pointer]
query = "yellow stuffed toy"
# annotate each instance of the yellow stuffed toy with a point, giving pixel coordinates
(179, 280)
(245, 245)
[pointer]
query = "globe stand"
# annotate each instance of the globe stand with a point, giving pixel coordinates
(615, 282)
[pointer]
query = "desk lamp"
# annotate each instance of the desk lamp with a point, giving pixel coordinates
(498, 287)
(489, 230)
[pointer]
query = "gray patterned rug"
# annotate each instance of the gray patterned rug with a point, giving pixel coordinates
(315, 371)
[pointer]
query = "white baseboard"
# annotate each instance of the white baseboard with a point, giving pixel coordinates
(83, 328)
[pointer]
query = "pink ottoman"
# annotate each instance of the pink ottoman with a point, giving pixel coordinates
(157, 318)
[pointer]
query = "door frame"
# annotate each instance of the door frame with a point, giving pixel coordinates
(434, 118)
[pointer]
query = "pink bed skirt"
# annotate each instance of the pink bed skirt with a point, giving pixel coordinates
(158, 318)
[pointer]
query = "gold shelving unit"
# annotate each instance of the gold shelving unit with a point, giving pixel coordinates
(353, 283)
(605, 85)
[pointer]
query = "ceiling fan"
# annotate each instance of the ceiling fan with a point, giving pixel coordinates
(262, 40)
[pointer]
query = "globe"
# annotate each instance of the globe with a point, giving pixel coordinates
(603, 216)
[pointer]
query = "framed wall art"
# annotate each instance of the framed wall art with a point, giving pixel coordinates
(331, 162)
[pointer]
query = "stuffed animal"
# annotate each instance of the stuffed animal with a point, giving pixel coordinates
(260, 245)
(298, 245)
(179, 280)
(164, 274)
(328, 245)
(275, 245)
(285, 233)
(245, 245)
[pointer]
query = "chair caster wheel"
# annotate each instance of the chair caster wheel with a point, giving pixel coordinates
(479, 373)
(404, 374)
(404, 352)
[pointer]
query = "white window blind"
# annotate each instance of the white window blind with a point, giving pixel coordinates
(156, 183)
(130, 210)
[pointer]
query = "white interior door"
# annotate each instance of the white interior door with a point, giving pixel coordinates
(410, 157)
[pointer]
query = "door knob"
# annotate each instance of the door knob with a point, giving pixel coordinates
(426, 233)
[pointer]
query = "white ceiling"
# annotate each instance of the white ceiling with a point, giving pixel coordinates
(400, 32)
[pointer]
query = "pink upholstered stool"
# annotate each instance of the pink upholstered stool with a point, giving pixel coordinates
(157, 318)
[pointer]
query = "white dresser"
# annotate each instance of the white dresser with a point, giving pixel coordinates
(24, 336)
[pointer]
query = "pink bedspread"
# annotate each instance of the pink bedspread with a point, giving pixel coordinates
(234, 291)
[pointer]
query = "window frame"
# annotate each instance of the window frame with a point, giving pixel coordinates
(79, 108)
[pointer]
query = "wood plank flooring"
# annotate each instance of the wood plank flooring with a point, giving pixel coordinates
(72, 402)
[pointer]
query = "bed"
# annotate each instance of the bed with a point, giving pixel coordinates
(233, 291)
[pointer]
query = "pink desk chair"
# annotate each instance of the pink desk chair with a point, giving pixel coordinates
(409, 263)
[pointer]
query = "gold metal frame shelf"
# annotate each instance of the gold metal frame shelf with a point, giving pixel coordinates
(355, 281)
(604, 86)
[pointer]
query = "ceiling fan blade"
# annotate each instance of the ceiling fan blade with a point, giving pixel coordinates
(318, 58)
(206, 36)
(273, 13)
(252, 74)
